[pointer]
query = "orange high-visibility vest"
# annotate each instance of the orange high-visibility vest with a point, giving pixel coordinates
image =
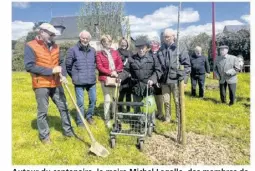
(45, 58)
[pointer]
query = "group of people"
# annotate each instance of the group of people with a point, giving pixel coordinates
(153, 65)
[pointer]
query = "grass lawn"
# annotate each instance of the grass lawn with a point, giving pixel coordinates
(203, 116)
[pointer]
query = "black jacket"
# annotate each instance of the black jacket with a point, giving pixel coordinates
(125, 55)
(169, 64)
(141, 70)
(199, 65)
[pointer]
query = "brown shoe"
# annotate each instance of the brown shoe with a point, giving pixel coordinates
(91, 121)
(46, 141)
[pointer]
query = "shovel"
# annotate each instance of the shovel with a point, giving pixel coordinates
(95, 148)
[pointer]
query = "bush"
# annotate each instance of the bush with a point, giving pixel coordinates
(66, 45)
(31, 36)
(239, 43)
(18, 57)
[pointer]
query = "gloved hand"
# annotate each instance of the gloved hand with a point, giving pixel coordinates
(56, 70)
(64, 80)
(180, 75)
(150, 83)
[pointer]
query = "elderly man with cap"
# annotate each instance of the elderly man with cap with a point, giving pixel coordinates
(167, 56)
(42, 59)
(81, 67)
(226, 68)
(199, 67)
(144, 69)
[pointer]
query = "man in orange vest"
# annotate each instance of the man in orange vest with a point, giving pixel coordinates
(42, 59)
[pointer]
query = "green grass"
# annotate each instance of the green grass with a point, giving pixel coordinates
(206, 117)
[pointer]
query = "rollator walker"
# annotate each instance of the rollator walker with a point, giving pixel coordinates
(134, 124)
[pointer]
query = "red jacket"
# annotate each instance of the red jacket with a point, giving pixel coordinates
(103, 64)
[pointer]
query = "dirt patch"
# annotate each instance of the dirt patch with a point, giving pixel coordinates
(200, 149)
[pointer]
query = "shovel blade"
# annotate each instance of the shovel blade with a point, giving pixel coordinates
(99, 150)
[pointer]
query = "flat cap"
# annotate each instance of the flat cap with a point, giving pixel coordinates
(49, 27)
(141, 42)
(224, 47)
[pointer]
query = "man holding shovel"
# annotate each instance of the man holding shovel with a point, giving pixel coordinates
(42, 60)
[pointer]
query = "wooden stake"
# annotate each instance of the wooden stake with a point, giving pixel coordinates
(182, 118)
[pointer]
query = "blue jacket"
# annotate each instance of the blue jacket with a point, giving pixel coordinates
(199, 65)
(81, 64)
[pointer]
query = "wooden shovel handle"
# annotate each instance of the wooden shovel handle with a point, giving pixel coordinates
(77, 108)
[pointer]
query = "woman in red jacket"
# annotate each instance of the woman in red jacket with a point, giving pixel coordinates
(109, 64)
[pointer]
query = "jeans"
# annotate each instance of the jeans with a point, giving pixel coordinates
(58, 97)
(79, 92)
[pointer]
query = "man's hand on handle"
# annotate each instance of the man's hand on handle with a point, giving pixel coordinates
(57, 69)
(63, 79)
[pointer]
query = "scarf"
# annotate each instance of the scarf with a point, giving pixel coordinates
(110, 59)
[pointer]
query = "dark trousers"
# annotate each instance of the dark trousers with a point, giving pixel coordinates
(58, 97)
(137, 99)
(232, 92)
(124, 92)
(200, 79)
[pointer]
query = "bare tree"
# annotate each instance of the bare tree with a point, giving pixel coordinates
(104, 18)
